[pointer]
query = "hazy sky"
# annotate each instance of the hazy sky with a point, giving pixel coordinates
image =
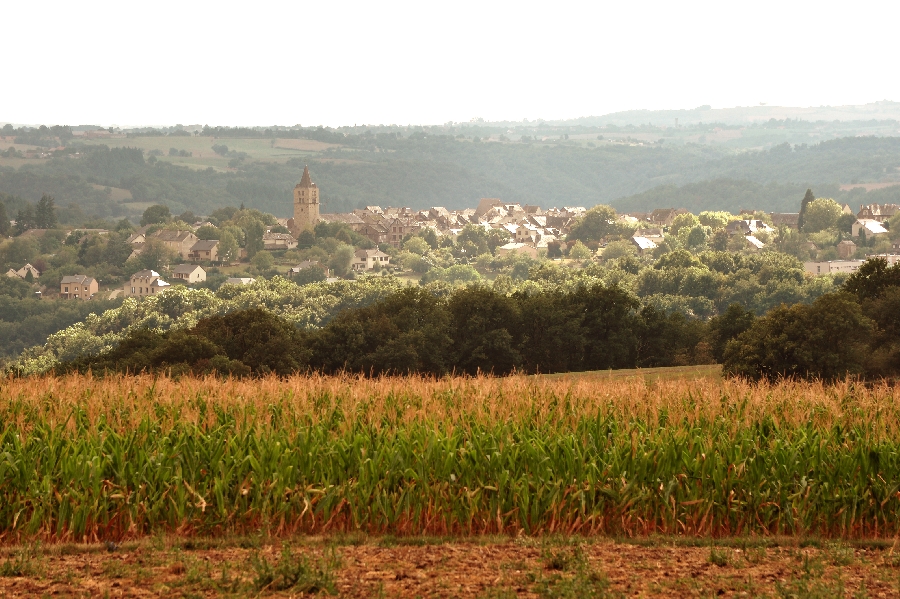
(334, 63)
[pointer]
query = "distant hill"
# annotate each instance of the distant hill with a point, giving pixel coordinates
(741, 115)
(444, 170)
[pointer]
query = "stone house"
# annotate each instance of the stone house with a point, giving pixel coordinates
(78, 287)
(279, 241)
(846, 248)
(22, 273)
(205, 250)
(179, 242)
(145, 283)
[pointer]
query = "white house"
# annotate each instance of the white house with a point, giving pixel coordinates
(189, 273)
(369, 259)
(870, 226)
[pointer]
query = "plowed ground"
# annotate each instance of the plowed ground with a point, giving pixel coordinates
(484, 567)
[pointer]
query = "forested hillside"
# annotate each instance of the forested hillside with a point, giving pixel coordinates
(421, 169)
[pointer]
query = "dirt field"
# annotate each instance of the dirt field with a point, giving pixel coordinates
(493, 567)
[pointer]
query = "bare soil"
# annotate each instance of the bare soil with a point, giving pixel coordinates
(480, 567)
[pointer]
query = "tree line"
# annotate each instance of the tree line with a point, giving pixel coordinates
(468, 330)
(854, 331)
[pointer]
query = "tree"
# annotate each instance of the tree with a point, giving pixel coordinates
(473, 241)
(262, 262)
(845, 223)
(822, 213)
(872, 279)
(715, 220)
(155, 255)
(826, 340)
(254, 231)
(156, 215)
(25, 219)
(612, 251)
(482, 327)
(579, 251)
(341, 260)
(407, 332)
(683, 221)
(727, 326)
(312, 274)
(45, 214)
(416, 245)
(228, 247)
(598, 222)
(4, 220)
(208, 232)
(696, 237)
(807, 200)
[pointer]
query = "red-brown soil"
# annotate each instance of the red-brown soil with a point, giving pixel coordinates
(495, 567)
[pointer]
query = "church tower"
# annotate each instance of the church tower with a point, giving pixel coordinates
(306, 204)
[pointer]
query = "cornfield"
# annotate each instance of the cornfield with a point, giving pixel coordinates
(86, 458)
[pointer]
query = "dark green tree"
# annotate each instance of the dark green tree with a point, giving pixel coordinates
(4, 220)
(727, 326)
(45, 214)
(826, 340)
(156, 215)
(254, 232)
(484, 328)
(807, 199)
(598, 222)
(25, 219)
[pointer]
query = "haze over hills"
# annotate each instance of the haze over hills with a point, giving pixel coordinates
(715, 159)
(885, 110)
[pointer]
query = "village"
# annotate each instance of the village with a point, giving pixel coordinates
(292, 247)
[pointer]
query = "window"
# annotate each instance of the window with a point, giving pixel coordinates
(67, 290)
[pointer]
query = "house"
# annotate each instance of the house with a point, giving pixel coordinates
(205, 250)
(832, 266)
(23, 272)
(643, 245)
(747, 227)
(136, 238)
(879, 212)
(239, 281)
(754, 244)
(189, 273)
(868, 227)
(664, 217)
(790, 220)
(279, 241)
(845, 249)
(369, 259)
(145, 283)
(305, 265)
(653, 234)
(179, 242)
(78, 287)
(398, 228)
(523, 249)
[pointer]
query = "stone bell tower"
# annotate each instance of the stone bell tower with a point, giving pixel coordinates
(306, 204)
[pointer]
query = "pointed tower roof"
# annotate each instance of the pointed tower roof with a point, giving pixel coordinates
(305, 181)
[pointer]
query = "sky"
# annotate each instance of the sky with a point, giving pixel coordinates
(339, 63)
